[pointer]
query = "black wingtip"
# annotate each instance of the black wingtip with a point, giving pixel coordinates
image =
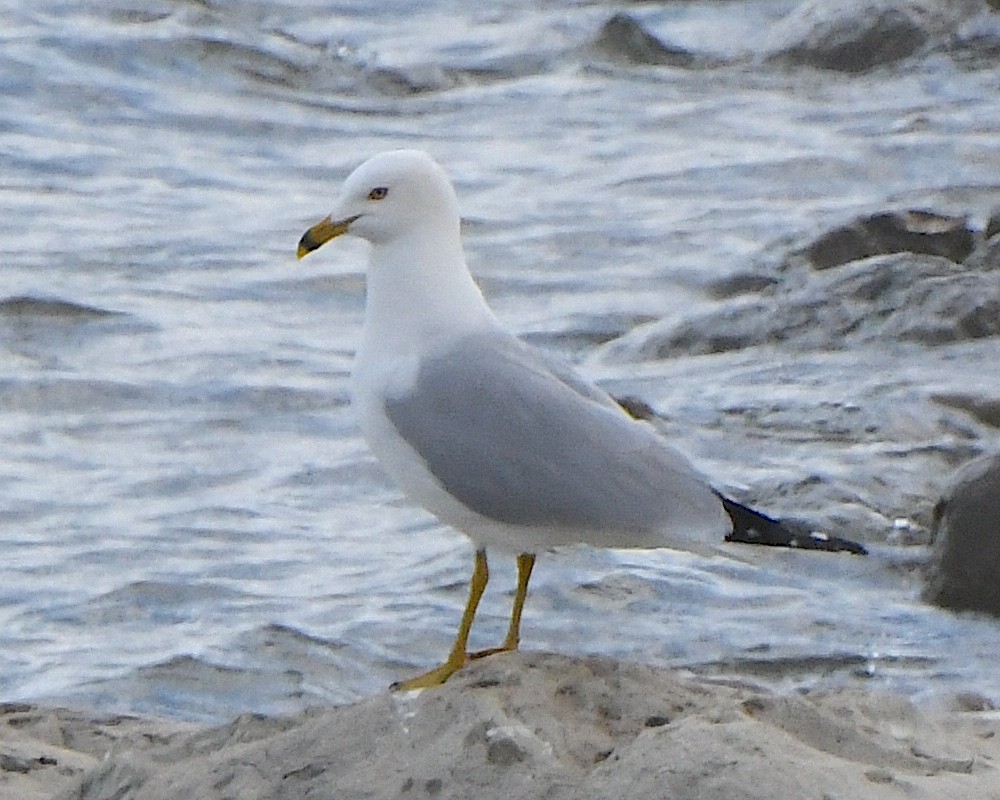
(753, 527)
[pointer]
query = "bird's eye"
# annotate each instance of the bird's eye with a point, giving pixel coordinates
(378, 193)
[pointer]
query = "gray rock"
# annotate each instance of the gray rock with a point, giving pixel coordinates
(903, 297)
(913, 231)
(740, 284)
(13, 763)
(532, 725)
(624, 39)
(993, 224)
(859, 36)
(986, 257)
(982, 408)
(964, 572)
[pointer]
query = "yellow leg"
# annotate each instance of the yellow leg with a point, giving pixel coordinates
(525, 563)
(458, 655)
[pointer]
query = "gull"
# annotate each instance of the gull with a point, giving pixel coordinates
(497, 439)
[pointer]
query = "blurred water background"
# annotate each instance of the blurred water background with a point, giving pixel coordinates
(190, 524)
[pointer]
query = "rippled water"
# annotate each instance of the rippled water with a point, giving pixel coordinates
(189, 520)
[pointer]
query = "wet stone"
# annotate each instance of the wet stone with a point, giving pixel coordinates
(863, 35)
(913, 231)
(964, 572)
(623, 39)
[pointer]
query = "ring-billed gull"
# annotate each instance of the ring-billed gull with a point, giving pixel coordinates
(498, 440)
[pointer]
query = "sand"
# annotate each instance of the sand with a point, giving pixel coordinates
(525, 725)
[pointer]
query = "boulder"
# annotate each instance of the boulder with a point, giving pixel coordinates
(862, 35)
(964, 571)
(623, 39)
(986, 257)
(912, 231)
(904, 297)
(536, 725)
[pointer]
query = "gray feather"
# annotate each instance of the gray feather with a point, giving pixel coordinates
(517, 443)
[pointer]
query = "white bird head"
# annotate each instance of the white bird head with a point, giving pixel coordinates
(388, 197)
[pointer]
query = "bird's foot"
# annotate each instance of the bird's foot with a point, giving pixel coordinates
(506, 647)
(435, 677)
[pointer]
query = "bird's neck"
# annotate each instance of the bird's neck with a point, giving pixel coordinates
(419, 291)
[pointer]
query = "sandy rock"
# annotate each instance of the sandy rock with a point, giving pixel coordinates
(964, 572)
(535, 725)
(43, 751)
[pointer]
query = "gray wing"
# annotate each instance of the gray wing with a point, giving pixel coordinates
(518, 444)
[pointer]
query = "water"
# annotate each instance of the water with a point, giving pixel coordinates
(190, 523)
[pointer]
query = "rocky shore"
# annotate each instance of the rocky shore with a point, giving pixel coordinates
(525, 725)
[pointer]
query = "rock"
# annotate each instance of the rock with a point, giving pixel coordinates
(740, 284)
(27, 307)
(46, 752)
(531, 725)
(636, 407)
(986, 257)
(893, 232)
(623, 39)
(993, 225)
(945, 310)
(13, 763)
(903, 297)
(863, 35)
(983, 409)
(964, 572)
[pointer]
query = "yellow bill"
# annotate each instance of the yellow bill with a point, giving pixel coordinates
(320, 233)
